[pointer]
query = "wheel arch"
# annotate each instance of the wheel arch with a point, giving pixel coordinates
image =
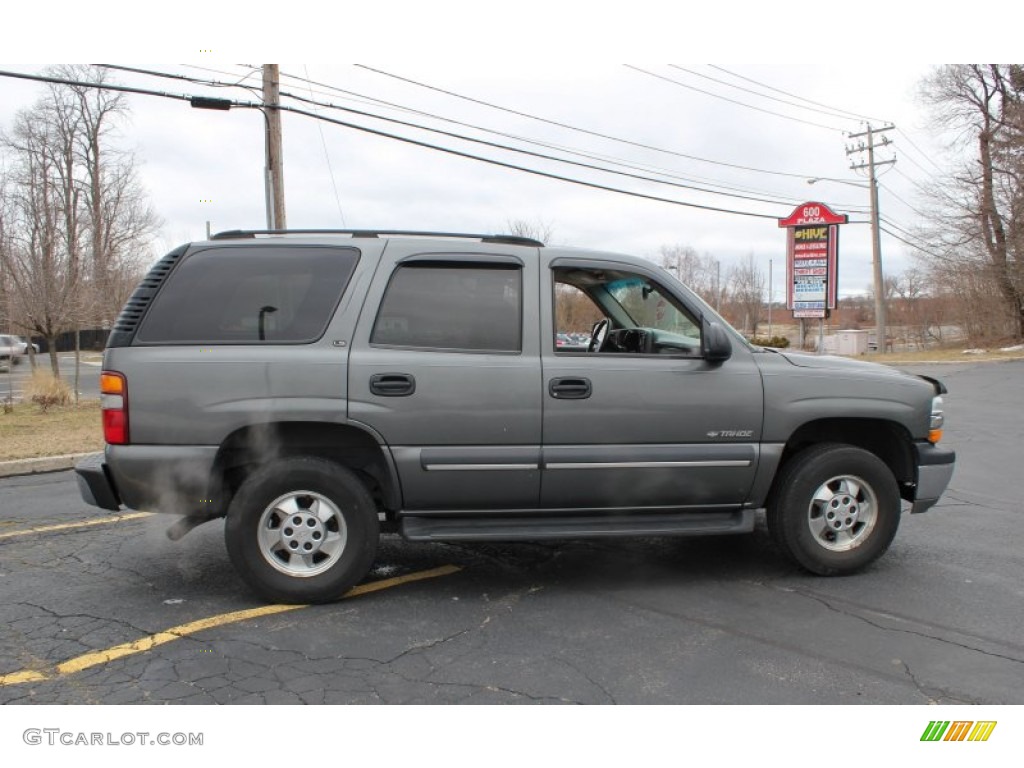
(254, 445)
(888, 440)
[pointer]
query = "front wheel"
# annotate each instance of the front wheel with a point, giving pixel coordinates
(835, 509)
(302, 530)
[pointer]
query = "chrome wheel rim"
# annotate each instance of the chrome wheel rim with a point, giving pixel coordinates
(842, 513)
(302, 534)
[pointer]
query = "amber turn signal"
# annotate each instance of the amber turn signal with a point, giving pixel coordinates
(111, 384)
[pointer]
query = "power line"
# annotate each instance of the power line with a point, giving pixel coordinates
(366, 129)
(330, 168)
(495, 145)
(915, 245)
(733, 101)
(530, 153)
(795, 96)
(560, 147)
(104, 86)
(761, 95)
(937, 190)
(584, 130)
(896, 196)
(921, 167)
(186, 78)
(894, 225)
(919, 150)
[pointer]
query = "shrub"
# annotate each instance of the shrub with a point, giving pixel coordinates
(779, 342)
(46, 390)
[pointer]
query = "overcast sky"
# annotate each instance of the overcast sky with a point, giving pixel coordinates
(200, 166)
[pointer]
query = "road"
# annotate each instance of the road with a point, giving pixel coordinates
(13, 380)
(87, 608)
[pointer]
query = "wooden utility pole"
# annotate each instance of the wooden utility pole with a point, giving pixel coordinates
(881, 332)
(275, 167)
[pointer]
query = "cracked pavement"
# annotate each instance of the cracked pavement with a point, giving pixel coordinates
(662, 621)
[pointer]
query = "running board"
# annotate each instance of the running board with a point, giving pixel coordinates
(569, 527)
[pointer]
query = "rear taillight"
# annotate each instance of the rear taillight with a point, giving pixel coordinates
(114, 404)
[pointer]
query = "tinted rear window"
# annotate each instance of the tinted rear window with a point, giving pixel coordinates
(250, 295)
(443, 305)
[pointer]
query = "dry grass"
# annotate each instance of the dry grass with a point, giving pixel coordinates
(28, 433)
(46, 390)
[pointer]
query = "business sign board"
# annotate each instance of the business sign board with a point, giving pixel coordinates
(812, 259)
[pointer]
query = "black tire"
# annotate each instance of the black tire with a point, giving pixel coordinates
(834, 509)
(302, 530)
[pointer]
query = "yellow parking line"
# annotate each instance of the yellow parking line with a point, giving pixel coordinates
(69, 526)
(96, 658)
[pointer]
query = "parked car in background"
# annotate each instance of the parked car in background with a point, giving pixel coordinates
(23, 346)
(10, 351)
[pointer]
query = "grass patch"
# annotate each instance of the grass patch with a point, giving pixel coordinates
(28, 433)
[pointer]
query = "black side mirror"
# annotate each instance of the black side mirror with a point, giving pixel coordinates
(717, 347)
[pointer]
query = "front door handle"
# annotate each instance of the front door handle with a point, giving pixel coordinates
(570, 388)
(392, 384)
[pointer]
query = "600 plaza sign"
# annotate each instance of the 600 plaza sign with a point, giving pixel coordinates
(812, 263)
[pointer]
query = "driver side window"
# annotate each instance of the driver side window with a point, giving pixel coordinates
(622, 312)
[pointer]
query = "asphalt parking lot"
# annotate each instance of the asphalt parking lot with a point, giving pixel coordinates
(105, 609)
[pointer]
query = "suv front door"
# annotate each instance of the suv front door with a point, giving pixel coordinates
(641, 420)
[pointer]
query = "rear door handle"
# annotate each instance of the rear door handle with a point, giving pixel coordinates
(392, 384)
(570, 388)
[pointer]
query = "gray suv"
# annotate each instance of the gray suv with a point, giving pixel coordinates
(318, 388)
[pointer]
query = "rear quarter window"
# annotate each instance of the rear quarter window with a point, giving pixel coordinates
(250, 295)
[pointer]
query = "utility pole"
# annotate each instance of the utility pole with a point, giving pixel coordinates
(881, 333)
(274, 168)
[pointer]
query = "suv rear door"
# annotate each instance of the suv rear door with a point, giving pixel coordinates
(445, 369)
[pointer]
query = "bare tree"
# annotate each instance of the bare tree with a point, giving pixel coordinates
(539, 230)
(78, 222)
(747, 292)
(701, 274)
(42, 260)
(978, 223)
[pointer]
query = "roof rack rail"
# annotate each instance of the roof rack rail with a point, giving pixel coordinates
(234, 234)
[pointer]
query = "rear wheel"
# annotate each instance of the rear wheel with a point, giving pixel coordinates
(835, 509)
(302, 530)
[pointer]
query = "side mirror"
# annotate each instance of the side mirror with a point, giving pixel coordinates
(717, 347)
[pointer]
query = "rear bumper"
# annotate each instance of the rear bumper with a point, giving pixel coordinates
(95, 484)
(934, 470)
(173, 479)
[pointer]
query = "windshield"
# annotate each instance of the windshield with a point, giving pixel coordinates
(648, 307)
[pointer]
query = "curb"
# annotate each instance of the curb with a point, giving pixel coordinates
(37, 466)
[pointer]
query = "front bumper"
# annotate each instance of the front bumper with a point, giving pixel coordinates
(95, 484)
(934, 470)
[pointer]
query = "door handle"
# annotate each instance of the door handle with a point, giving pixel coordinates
(570, 388)
(392, 384)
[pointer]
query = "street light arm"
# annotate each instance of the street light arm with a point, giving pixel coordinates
(840, 181)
